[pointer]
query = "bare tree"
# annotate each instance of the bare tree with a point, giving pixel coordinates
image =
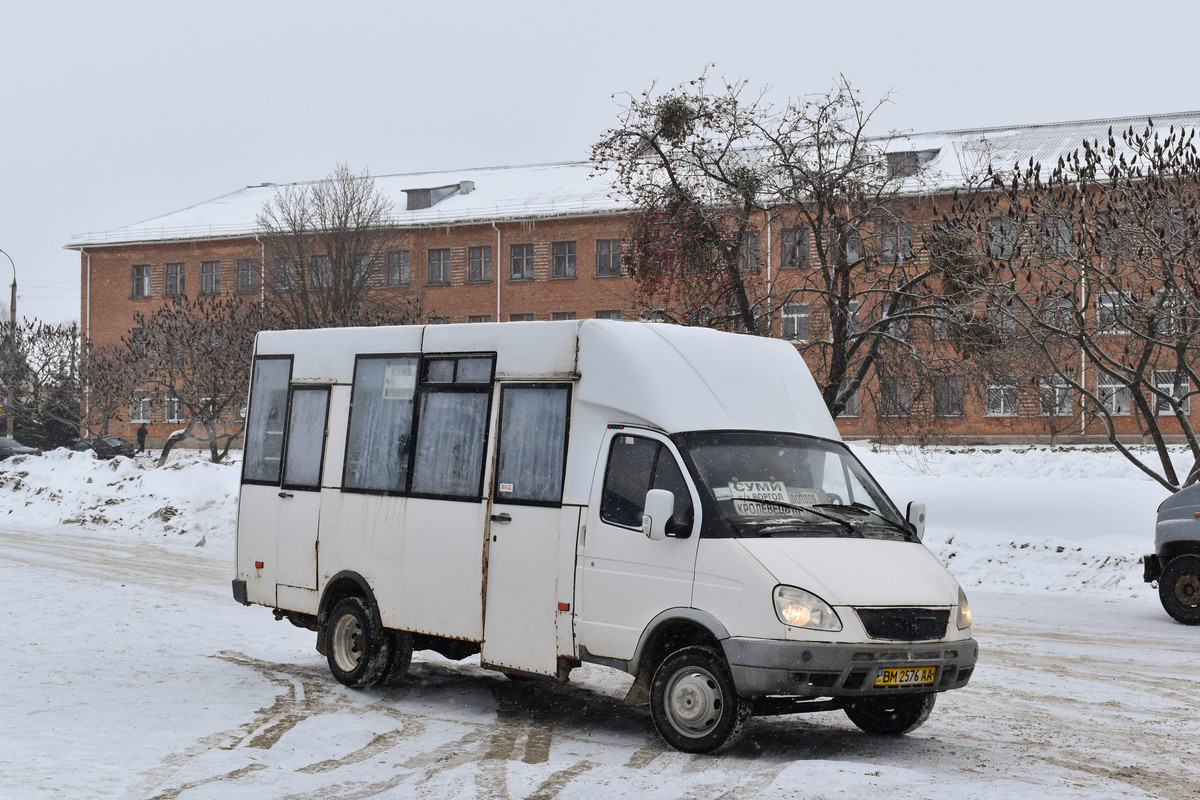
(711, 173)
(39, 377)
(1091, 264)
(109, 378)
(197, 355)
(322, 242)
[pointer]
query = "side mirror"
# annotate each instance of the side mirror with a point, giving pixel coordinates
(915, 515)
(660, 505)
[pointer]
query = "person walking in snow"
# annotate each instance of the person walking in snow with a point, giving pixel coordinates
(141, 437)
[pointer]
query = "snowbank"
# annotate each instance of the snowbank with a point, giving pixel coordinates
(1002, 518)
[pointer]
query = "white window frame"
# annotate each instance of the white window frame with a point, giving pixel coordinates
(1112, 315)
(173, 410)
(795, 319)
(1004, 390)
(1164, 381)
(139, 406)
(1055, 397)
(1111, 391)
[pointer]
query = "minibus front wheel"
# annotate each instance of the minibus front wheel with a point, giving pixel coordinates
(694, 703)
(356, 646)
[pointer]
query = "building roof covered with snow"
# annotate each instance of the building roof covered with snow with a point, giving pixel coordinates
(492, 194)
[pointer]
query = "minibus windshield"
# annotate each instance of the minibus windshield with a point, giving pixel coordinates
(780, 484)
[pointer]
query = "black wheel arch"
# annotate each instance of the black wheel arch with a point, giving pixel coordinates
(669, 631)
(346, 583)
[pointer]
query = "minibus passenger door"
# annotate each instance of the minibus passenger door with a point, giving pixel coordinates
(531, 534)
(300, 493)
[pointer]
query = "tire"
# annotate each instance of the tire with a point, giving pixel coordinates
(400, 651)
(694, 703)
(356, 647)
(1179, 588)
(892, 715)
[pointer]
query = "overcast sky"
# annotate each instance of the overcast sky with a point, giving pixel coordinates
(117, 112)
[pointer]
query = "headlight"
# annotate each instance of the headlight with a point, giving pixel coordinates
(964, 610)
(802, 609)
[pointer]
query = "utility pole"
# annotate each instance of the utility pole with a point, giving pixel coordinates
(12, 339)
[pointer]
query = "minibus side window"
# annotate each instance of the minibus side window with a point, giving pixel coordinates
(451, 442)
(306, 438)
(264, 429)
(380, 432)
(636, 465)
(532, 448)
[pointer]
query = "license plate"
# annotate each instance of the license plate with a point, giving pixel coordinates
(905, 676)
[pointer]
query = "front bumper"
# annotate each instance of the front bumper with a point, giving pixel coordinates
(769, 668)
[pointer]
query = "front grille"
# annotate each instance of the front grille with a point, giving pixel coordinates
(905, 624)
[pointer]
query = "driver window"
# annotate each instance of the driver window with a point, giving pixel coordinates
(636, 465)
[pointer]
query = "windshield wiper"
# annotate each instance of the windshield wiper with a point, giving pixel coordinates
(802, 509)
(865, 509)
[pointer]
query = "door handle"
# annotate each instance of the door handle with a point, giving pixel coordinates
(504, 518)
(285, 494)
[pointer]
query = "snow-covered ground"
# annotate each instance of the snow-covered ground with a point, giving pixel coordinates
(131, 672)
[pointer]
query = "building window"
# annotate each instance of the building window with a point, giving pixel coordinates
(1112, 313)
(947, 396)
(1056, 397)
(141, 281)
(795, 322)
(896, 243)
(613, 314)
(479, 318)
(139, 406)
(1056, 312)
(1002, 238)
(320, 272)
(564, 259)
(853, 326)
(851, 407)
(479, 264)
(439, 266)
(608, 258)
(520, 262)
(1056, 236)
(794, 248)
(1001, 314)
(283, 275)
(398, 270)
(852, 247)
(438, 320)
(210, 277)
(1164, 381)
(175, 285)
(520, 317)
(174, 410)
(1114, 395)
(1001, 397)
(895, 399)
(653, 315)
(562, 315)
(748, 255)
(247, 275)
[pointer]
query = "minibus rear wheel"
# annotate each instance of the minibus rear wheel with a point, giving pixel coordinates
(694, 703)
(356, 646)
(891, 714)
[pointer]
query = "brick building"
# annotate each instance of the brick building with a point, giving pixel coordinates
(544, 242)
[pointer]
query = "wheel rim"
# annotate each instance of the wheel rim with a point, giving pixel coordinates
(347, 644)
(694, 702)
(1187, 589)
